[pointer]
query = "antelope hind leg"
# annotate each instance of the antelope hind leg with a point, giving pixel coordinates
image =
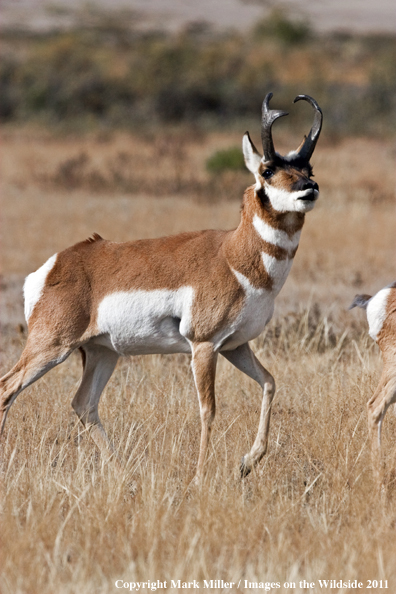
(37, 358)
(203, 364)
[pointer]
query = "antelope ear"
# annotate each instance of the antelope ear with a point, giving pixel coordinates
(251, 154)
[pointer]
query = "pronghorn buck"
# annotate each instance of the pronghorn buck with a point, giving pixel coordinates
(381, 316)
(203, 293)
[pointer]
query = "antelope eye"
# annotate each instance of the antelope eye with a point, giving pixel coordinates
(267, 173)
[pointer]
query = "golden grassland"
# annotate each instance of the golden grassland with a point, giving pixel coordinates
(311, 510)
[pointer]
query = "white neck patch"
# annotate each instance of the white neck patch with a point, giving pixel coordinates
(278, 270)
(246, 285)
(275, 236)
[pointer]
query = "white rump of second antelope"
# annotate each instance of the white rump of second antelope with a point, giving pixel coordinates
(381, 317)
(205, 293)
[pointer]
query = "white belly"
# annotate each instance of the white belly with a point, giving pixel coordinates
(146, 322)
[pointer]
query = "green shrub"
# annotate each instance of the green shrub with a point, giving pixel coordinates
(229, 159)
(279, 25)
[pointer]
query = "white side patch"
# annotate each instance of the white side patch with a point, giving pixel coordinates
(376, 312)
(284, 201)
(275, 236)
(34, 285)
(144, 322)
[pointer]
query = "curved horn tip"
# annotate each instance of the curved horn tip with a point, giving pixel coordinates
(310, 100)
(265, 108)
(267, 99)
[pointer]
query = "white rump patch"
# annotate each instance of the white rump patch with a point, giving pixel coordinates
(275, 236)
(34, 285)
(147, 322)
(377, 312)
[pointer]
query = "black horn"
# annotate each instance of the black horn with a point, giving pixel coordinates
(268, 118)
(308, 146)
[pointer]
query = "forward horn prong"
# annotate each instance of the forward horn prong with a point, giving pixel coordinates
(268, 118)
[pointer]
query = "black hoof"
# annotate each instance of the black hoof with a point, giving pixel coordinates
(244, 469)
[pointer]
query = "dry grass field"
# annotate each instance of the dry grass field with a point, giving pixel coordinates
(70, 523)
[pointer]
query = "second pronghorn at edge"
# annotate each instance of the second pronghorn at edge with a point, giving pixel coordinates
(381, 316)
(205, 293)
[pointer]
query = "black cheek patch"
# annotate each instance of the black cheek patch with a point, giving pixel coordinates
(262, 196)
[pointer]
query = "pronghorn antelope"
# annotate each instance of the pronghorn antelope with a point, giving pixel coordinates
(381, 317)
(203, 293)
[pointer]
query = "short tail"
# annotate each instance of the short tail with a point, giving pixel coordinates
(360, 301)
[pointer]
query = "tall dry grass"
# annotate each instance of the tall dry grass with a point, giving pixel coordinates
(311, 510)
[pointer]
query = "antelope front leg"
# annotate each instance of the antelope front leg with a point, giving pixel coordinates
(245, 360)
(203, 364)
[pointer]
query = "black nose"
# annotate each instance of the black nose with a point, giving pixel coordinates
(310, 185)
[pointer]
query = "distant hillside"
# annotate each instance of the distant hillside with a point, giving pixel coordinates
(109, 71)
(358, 16)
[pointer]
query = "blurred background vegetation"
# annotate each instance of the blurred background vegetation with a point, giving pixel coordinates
(107, 72)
